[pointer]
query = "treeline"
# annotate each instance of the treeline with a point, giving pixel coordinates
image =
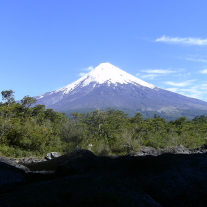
(32, 130)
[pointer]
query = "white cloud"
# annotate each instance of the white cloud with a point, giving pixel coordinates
(197, 91)
(159, 71)
(82, 74)
(172, 89)
(181, 84)
(204, 87)
(203, 71)
(86, 69)
(89, 68)
(193, 92)
(197, 60)
(149, 76)
(185, 40)
(182, 75)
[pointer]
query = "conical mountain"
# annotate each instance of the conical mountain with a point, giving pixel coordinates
(109, 86)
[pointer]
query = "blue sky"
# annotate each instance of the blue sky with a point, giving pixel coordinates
(45, 45)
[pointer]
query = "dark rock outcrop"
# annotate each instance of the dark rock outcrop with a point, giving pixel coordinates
(83, 179)
(79, 162)
(176, 150)
(145, 151)
(52, 155)
(11, 174)
(23, 161)
(14, 163)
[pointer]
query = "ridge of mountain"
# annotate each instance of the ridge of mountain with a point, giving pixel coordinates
(108, 86)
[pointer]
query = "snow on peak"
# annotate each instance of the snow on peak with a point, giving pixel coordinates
(105, 73)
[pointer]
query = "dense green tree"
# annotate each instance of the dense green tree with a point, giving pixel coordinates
(200, 119)
(28, 101)
(8, 96)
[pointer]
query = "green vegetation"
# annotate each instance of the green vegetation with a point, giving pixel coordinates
(27, 129)
(188, 113)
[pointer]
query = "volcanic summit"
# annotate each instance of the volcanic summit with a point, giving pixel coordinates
(108, 86)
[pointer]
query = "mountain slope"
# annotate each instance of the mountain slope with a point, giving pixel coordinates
(109, 86)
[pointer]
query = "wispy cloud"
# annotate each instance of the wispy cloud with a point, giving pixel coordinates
(193, 92)
(180, 84)
(89, 68)
(86, 69)
(149, 76)
(179, 40)
(197, 60)
(173, 89)
(203, 71)
(158, 71)
(204, 87)
(82, 74)
(153, 73)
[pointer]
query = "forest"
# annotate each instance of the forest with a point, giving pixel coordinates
(27, 129)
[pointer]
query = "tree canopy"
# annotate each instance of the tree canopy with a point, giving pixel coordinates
(29, 129)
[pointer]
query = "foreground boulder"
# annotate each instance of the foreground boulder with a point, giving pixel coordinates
(83, 179)
(12, 162)
(57, 162)
(11, 174)
(80, 161)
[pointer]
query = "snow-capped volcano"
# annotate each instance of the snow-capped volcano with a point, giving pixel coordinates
(108, 86)
(105, 73)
